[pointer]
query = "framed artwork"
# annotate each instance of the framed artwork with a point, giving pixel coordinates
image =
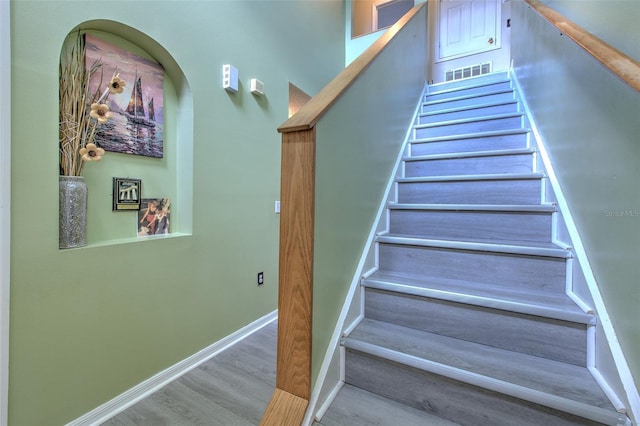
(126, 194)
(154, 216)
(136, 123)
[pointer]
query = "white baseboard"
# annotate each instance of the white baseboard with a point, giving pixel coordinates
(149, 386)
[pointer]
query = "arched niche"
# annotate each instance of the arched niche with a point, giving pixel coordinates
(171, 176)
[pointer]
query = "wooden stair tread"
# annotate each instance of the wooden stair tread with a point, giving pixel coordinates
(490, 133)
(548, 304)
(471, 154)
(530, 248)
(468, 120)
(461, 97)
(554, 378)
(468, 107)
(517, 208)
(462, 178)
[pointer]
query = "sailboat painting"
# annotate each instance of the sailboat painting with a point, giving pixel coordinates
(136, 124)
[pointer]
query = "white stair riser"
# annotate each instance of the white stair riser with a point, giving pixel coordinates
(458, 225)
(516, 163)
(468, 113)
(500, 329)
(470, 144)
(525, 191)
(497, 269)
(508, 123)
(468, 91)
(446, 397)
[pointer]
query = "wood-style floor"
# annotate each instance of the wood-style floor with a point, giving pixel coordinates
(231, 389)
(234, 387)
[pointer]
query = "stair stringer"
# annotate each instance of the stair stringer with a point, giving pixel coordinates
(331, 376)
(605, 358)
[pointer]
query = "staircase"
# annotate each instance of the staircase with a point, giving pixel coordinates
(466, 317)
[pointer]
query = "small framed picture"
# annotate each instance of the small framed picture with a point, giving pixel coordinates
(154, 216)
(126, 194)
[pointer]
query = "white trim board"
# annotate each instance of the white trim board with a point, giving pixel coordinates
(149, 386)
(620, 361)
(5, 201)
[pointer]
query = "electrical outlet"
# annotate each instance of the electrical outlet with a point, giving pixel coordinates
(260, 278)
(277, 206)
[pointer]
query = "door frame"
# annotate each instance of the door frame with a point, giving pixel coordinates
(5, 200)
(495, 46)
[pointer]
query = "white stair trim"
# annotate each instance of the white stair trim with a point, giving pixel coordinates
(154, 383)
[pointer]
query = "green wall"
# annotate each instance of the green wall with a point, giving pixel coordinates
(358, 142)
(588, 119)
(88, 324)
(614, 21)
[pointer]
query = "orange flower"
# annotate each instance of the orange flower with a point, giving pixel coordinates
(91, 152)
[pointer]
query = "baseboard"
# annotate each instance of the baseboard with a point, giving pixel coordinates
(154, 383)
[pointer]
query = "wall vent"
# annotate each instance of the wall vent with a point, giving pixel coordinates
(466, 72)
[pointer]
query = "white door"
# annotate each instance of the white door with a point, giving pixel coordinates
(468, 27)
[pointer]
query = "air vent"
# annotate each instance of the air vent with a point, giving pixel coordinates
(466, 72)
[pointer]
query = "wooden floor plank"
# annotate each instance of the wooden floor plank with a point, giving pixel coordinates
(231, 389)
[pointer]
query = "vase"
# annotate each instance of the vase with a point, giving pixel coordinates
(73, 212)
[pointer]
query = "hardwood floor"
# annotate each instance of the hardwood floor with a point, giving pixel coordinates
(234, 387)
(231, 389)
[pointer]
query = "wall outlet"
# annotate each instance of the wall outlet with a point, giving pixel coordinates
(260, 278)
(277, 206)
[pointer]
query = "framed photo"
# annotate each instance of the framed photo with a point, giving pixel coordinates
(154, 216)
(126, 194)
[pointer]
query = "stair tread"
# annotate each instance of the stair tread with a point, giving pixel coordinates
(485, 176)
(519, 208)
(358, 407)
(534, 248)
(469, 154)
(554, 305)
(475, 81)
(468, 107)
(468, 120)
(547, 376)
(461, 97)
(490, 133)
(439, 89)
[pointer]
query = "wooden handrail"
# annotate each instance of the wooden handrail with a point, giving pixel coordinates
(313, 110)
(625, 67)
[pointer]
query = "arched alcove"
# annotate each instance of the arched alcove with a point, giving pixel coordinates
(168, 177)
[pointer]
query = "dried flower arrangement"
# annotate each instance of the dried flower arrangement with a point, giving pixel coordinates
(81, 112)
